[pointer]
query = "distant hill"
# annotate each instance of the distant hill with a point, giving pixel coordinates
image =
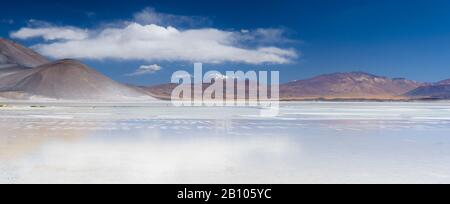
(164, 91)
(15, 58)
(69, 79)
(353, 85)
(444, 82)
(438, 91)
(24, 74)
(15, 55)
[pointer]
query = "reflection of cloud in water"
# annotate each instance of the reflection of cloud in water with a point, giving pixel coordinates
(154, 160)
(15, 143)
(307, 143)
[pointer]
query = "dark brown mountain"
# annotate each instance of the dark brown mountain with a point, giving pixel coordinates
(354, 85)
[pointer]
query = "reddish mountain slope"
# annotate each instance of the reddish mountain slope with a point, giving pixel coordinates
(354, 85)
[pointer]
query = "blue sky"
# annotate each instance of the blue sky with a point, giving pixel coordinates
(300, 38)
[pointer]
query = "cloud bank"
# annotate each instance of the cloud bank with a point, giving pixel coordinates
(146, 39)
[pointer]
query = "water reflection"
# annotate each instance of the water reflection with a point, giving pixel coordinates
(307, 143)
(18, 142)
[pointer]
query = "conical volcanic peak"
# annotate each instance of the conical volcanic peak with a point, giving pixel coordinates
(72, 80)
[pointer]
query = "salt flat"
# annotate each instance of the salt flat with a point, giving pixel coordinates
(309, 142)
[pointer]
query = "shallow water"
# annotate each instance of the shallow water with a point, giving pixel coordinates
(309, 142)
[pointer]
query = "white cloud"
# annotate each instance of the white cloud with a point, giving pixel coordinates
(51, 33)
(147, 39)
(153, 42)
(146, 69)
(218, 76)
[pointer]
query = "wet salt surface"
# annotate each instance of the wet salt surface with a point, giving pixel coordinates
(308, 142)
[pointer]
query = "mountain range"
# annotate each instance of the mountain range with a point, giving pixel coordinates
(26, 75)
(353, 85)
